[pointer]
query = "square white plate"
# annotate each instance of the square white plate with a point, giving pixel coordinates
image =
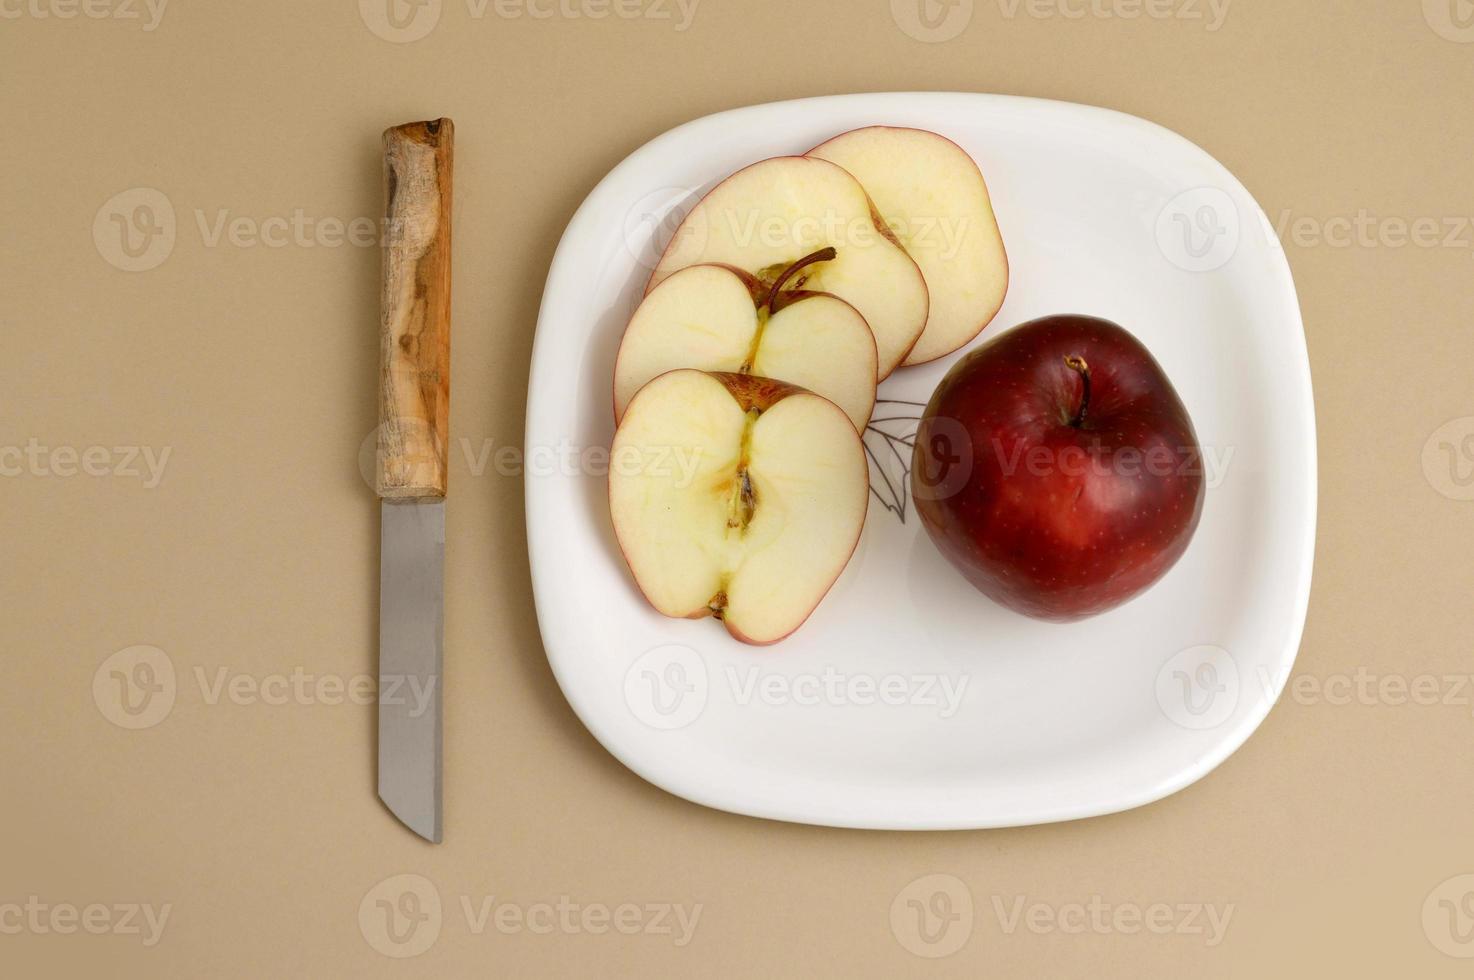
(909, 701)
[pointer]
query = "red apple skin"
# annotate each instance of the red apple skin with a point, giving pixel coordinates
(1057, 521)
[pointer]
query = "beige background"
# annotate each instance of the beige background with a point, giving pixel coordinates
(256, 552)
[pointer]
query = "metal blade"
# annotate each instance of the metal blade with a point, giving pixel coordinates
(411, 636)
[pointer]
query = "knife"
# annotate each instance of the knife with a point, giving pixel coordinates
(414, 433)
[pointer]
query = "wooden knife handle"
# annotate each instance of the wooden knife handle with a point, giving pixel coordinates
(414, 366)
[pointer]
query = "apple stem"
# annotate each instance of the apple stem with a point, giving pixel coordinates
(1078, 365)
(823, 255)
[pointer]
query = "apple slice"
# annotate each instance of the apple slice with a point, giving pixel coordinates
(713, 318)
(935, 201)
(737, 497)
(763, 219)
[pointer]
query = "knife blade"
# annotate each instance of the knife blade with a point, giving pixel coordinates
(411, 480)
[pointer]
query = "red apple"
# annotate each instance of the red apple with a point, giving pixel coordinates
(1057, 468)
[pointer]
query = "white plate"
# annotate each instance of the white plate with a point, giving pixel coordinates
(847, 723)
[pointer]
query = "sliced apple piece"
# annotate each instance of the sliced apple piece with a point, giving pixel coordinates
(736, 497)
(935, 201)
(713, 318)
(763, 219)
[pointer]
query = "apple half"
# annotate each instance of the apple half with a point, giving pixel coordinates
(763, 219)
(736, 497)
(935, 202)
(713, 318)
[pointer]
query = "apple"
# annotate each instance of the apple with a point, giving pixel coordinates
(737, 497)
(935, 201)
(713, 318)
(1058, 470)
(763, 219)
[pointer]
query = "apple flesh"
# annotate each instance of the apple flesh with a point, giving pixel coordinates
(1058, 470)
(764, 219)
(935, 201)
(712, 318)
(737, 497)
